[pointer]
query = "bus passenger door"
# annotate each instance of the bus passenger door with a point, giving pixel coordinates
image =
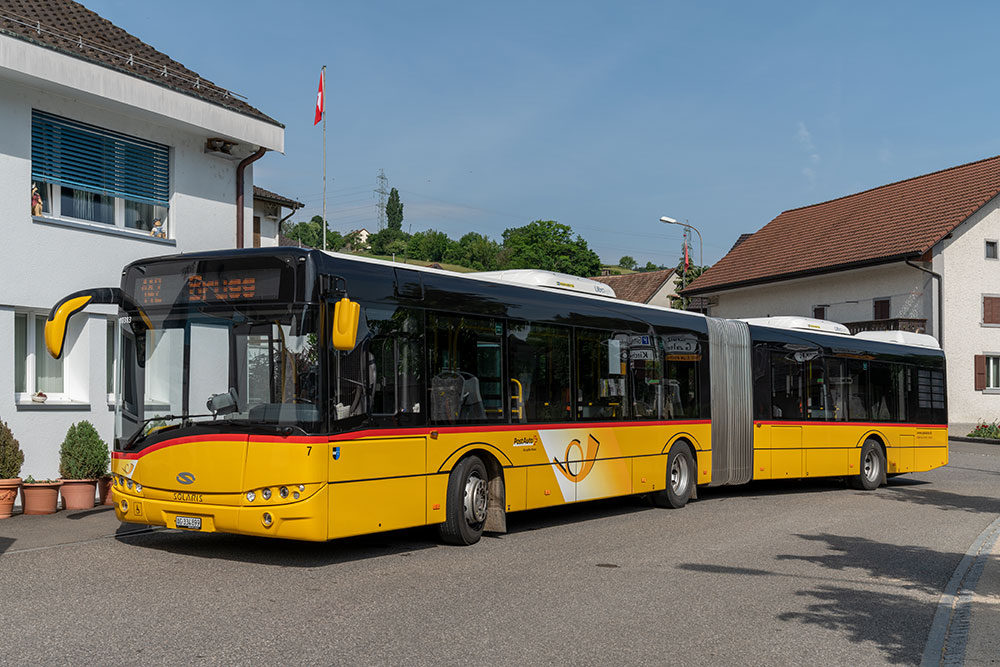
(377, 485)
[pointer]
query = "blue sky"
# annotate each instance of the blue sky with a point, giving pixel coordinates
(603, 116)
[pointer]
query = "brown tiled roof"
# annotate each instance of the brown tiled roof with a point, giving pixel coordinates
(639, 287)
(268, 196)
(69, 27)
(889, 223)
(741, 239)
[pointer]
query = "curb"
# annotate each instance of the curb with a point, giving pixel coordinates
(981, 441)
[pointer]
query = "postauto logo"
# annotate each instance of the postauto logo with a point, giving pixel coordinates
(185, 478)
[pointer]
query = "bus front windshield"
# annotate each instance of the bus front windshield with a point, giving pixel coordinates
(218, 365)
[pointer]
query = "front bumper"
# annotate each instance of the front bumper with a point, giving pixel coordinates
(304, 519)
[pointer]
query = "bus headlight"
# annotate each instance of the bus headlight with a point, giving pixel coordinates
(128, 483)
(283, 492)
(138, 487)
(251, 496)
(266, 494)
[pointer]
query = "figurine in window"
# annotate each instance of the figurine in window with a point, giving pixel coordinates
(158, 231)
(36, 200)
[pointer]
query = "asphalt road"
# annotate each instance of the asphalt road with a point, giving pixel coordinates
(806, 573)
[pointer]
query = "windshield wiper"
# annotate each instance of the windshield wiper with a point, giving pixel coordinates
(141, 428)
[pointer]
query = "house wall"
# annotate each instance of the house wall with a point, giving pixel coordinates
(269, 215)
(662, 296)
(968, 275)
(848, 295)
(46, 259)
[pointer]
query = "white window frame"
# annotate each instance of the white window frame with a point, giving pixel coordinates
(992, 364)
(52, 194)
(31, 377)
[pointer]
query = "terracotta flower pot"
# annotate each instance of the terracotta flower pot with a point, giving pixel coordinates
(78, 494)
(40, 497)
(8, 492)
(104, 491)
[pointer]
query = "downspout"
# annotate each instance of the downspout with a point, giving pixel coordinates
(282, 221)
(239, 192)
(940, 299)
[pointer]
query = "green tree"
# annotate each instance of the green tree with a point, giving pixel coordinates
(651, 267)
(548, 245)
(311, 234)
(627, 262)
(380, 242)
(394, 211)
(474, 251)
(683, 279)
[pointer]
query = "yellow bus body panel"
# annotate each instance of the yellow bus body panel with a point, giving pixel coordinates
(832, 449)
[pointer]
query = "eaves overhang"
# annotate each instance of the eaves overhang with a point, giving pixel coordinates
(835, 268)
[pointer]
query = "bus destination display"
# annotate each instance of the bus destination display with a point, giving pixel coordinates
(208, 287)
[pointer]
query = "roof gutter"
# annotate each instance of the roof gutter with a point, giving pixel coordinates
(239, 192)
(939, 328)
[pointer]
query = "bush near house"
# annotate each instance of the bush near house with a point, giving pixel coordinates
(83, 454)
(11, 456)
(984, 430)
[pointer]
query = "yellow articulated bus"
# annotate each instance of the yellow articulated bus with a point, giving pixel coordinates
(306, 395)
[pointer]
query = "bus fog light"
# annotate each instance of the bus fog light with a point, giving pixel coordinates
(124, 506)
(251, 496)
(266, 494)
(283, 492)
(266, 519)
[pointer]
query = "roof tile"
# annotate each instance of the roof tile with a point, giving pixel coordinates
(69, 27)
(638, 287)
(902, 219)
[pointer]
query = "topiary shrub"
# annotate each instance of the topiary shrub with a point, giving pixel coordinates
(11, 456)
(83, 454)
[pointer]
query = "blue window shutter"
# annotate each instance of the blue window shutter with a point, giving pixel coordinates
(84, 156)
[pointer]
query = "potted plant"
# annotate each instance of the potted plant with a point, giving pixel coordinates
(39, 496)
(83, 458)
(11, 458)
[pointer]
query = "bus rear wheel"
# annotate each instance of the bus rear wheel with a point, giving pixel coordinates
(680, 478)
(871, 468)
(468, 498)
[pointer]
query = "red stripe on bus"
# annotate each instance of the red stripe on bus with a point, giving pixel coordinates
(177, 441)
(820, 422)
(421, 432)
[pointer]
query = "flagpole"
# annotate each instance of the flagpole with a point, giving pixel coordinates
(323, 76)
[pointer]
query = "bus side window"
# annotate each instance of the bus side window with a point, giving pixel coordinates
(600, 377)
(817, 391)
(786, 386)
(858, 400)
(761, 382)
(883, 406)
(539, 361)
(466, 383)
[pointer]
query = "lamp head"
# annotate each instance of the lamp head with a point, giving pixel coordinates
(670, 220)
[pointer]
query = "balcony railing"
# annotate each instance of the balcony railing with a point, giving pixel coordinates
(912, 324)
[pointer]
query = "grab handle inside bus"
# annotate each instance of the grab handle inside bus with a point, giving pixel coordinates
(58, 319)
(346, 314)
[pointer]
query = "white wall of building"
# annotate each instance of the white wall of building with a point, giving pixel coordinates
(45, 260)
(269, 214)
(848, 295)
(968, 275)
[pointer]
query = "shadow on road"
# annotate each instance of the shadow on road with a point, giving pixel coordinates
(894, 622)
(884, 620)
(83, 514)
(943, 499)
(291, 553)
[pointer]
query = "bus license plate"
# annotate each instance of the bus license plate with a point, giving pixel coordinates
(190, 522)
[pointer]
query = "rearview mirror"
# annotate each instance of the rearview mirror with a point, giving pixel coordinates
(346, 314)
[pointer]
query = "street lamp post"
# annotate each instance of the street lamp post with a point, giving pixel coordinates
(701, 243)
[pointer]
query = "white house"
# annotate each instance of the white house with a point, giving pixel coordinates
(114, 135)
(919, 255)
(267, 218)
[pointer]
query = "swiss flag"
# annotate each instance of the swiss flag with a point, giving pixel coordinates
(320, 101)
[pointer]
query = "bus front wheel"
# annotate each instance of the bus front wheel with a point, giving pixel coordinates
(468, 498)
(680, 478)
(871, 467)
